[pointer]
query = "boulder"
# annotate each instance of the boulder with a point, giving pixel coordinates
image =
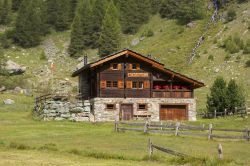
(2, 88)
(191, 25)
(13, 68)
(135, 41)
(59, 119)
(77, 110)
(8, 102)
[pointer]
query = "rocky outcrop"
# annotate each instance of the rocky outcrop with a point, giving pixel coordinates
(14, 68)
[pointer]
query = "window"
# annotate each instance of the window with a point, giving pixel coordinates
(141, 85)
(134, 85)
(142, 107)
(109, 84)
(115, 84)
(134, 66)
(110, 106)
(115, 66)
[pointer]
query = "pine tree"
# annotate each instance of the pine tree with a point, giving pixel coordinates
(73, 6)
(2, 63)
(51, 6)
(5, 12)
(76, 38)
(234, 96)
(16, 4)
(99, 10)
(27, 28)
(62, 15)
(217, 98)
(155, 6)
(42, 12)
(110, 37)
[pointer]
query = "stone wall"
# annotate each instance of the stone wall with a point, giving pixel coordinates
(153, 105)
(63, 110)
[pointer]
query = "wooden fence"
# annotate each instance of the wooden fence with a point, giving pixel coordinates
(179, 129)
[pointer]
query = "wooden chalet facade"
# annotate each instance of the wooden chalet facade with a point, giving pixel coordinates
(127, 85)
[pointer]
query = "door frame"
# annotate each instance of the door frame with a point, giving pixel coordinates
(182, 104)
(121, 113)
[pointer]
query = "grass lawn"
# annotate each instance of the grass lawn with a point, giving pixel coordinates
(26, 141)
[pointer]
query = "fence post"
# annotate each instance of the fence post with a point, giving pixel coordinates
(203, 126)
(146, 127)
(225, 112)
(247, 134)
(150, 148)
(220, 152)
(210, 131)
(215, 113)
(177, 128)
(116, 126)
(161, 125)
(235, 111)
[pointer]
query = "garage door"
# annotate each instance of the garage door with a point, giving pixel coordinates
(173, 112)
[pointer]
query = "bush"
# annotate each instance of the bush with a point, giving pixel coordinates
(148, 33)
(246, 49)
(247, 63)
(231, 15)
(10, 82)
(5, 41)
(227, 57)
(211, 57)
(233, 44)
(43, 56)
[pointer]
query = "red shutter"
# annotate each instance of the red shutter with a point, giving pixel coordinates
(120, 84)
(146, 84)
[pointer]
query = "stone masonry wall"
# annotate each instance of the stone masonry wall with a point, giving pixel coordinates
(102, 114)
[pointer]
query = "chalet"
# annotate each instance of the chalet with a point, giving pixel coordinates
(127, 85)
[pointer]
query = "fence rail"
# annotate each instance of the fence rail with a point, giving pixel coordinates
(179, 129)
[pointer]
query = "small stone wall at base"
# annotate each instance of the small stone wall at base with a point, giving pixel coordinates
(153, 105)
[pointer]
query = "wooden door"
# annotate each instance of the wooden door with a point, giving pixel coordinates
(173, 112)
(126, 112)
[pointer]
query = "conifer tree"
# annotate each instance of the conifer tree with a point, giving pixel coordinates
(155, 6)
(16, 4)
(217, 98)
(72, 11)
(234, 96)
(2, 63)
(27, 28)
(62, 15)
(99, 10)
(51, 6)
(76, 38)
(42, 13)
(5, 12)
(110, 37)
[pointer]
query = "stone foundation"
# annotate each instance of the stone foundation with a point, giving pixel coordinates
(153, 105)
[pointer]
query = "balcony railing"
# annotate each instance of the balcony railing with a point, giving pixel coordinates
(174, 93)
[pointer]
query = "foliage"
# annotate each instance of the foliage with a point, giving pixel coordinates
(155, 6)
(217, 98)
(223, 96)
(5, 10)
(110, 37)
(211, 57)
(231, 15)
(246, 49)
(183, 10)
(233, 44)
(43, 56)
(16, 4)
(247, 63)
(73, 6)
(234, 96)
(5, 41)
(2, 63)
(62, 15)
(28, 24)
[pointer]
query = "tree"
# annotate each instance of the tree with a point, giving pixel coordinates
(99, 10)
(2, 63)
(73, 6)
(5, 12)
(155, 6)
(27, 28)
(51, 6)
(110, 37)
(62, 15)
(234, 96)
(81, 33)
(217, 98)
(16, 4)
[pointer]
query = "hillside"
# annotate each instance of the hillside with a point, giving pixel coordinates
(170, 43)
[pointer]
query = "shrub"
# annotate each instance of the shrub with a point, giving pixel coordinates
(227, 57)
(5, 42)
(247, 63)
(43, 56)
(148, 33)
(233, 44)
(246, 49)
(211, 57)
(231, 15)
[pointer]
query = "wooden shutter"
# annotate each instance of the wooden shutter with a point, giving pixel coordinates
(129, 66)
(120, 84)
(119, 66)
(103, 84)
(137, 66)
(146, 84)
(129, 85)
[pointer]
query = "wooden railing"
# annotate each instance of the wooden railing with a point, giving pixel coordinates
(182, 129)
(162, 93)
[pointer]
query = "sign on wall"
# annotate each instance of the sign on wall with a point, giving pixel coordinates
(137, 74)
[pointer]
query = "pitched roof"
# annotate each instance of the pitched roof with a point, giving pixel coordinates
(154, 64)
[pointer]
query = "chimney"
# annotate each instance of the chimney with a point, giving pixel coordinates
(85, 60)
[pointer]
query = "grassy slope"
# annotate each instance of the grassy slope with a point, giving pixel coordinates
(98, 141)
(171, 44)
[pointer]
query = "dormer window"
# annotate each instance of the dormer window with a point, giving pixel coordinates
(134, 66)
(115, 66)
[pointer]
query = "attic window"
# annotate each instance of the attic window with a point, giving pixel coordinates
(110, 106)
(142, 107)
(115, 66)
(134, 66)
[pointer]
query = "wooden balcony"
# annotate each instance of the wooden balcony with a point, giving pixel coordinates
(174, 93)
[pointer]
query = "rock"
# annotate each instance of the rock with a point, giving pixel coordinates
(59, 118)
(8, 102)
(65, 115)
(77, 110)
(216, 70)
(135, 41)
(14, 68)
(142, 38)
(2, 89)
(18, 89)
(191, 24)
